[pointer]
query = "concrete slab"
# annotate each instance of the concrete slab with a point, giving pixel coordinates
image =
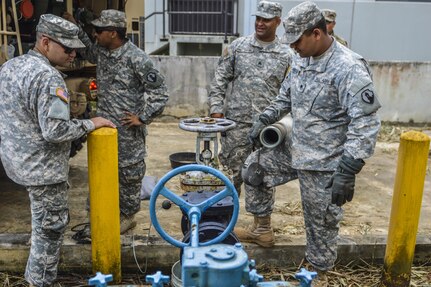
(362, 236)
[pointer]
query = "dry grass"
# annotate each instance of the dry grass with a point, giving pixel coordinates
(69, 280)
(359, 274)
(8, 280)
(289, 208)
(390, 132)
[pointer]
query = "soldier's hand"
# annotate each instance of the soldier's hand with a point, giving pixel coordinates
(253, 134)
(130, 120)
(69, 17)
(342, 182)
(100, 122)
(342, 187)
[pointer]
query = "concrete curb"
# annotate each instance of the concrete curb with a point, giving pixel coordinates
(155, 254)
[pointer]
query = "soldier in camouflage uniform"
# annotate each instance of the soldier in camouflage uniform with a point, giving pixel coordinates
(36, 132)
(255, 66)
(330, 16)
(330, 95)
(131, 93)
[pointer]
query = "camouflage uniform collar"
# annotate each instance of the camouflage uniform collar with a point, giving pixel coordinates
(38, 55)
(117, 53)
(273, 47)
(319, 64)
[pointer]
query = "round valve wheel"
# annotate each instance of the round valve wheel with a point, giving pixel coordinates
(193, 209)
(206, 125)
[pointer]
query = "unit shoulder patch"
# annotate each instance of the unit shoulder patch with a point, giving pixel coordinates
(153, 78)
(367, 96)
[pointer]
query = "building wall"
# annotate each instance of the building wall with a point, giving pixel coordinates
(134, 9)
(403, 88)
(153, 26)
(378, 30)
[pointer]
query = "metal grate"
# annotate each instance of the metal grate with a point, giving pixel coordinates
(203, 17)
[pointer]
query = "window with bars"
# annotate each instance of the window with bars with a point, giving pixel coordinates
(210, 17)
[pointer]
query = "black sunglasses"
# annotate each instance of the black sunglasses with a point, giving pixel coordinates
(67, 50)
(99, 30)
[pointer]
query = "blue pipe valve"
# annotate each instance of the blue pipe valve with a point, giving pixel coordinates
(157, 279)
(100, 280)
(305, 277)
(254, 277)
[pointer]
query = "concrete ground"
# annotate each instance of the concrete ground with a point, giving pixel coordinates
(363, 230)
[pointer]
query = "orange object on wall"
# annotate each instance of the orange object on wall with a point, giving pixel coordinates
(26, 9)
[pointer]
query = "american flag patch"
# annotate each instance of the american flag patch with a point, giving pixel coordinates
(62, 94)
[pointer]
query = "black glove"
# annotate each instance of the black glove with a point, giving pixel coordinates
(253, 134)
(342, 182)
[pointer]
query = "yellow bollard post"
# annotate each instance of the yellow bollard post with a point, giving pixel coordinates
(104, 202)
(406, 206)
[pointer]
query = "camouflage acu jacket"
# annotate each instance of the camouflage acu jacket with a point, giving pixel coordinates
(256, 74)
(333, 105)
(127, 81)
(35, 129)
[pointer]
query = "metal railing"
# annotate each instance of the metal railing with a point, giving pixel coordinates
(203, 17)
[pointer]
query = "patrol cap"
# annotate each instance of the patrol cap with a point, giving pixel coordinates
(329, 15)
(111, 18)
(268, 9)
(60, 30)
(301, 18)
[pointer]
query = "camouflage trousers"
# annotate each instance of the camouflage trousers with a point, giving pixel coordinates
(130, 187)
(234, 150)
(321, 218)
(276, 163)
(49, 218)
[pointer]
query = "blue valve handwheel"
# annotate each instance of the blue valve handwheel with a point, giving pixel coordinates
(161, 189)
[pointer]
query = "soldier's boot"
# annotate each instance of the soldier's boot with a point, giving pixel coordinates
(127, 223)
(260, 232)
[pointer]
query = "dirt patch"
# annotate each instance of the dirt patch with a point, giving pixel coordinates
(367, 214)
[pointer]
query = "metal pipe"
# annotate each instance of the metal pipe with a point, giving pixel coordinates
(271, 136)
(225, 22)
(164, 11)
(104, 202)
(197, 13)
(406, 206)
(152, 14)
